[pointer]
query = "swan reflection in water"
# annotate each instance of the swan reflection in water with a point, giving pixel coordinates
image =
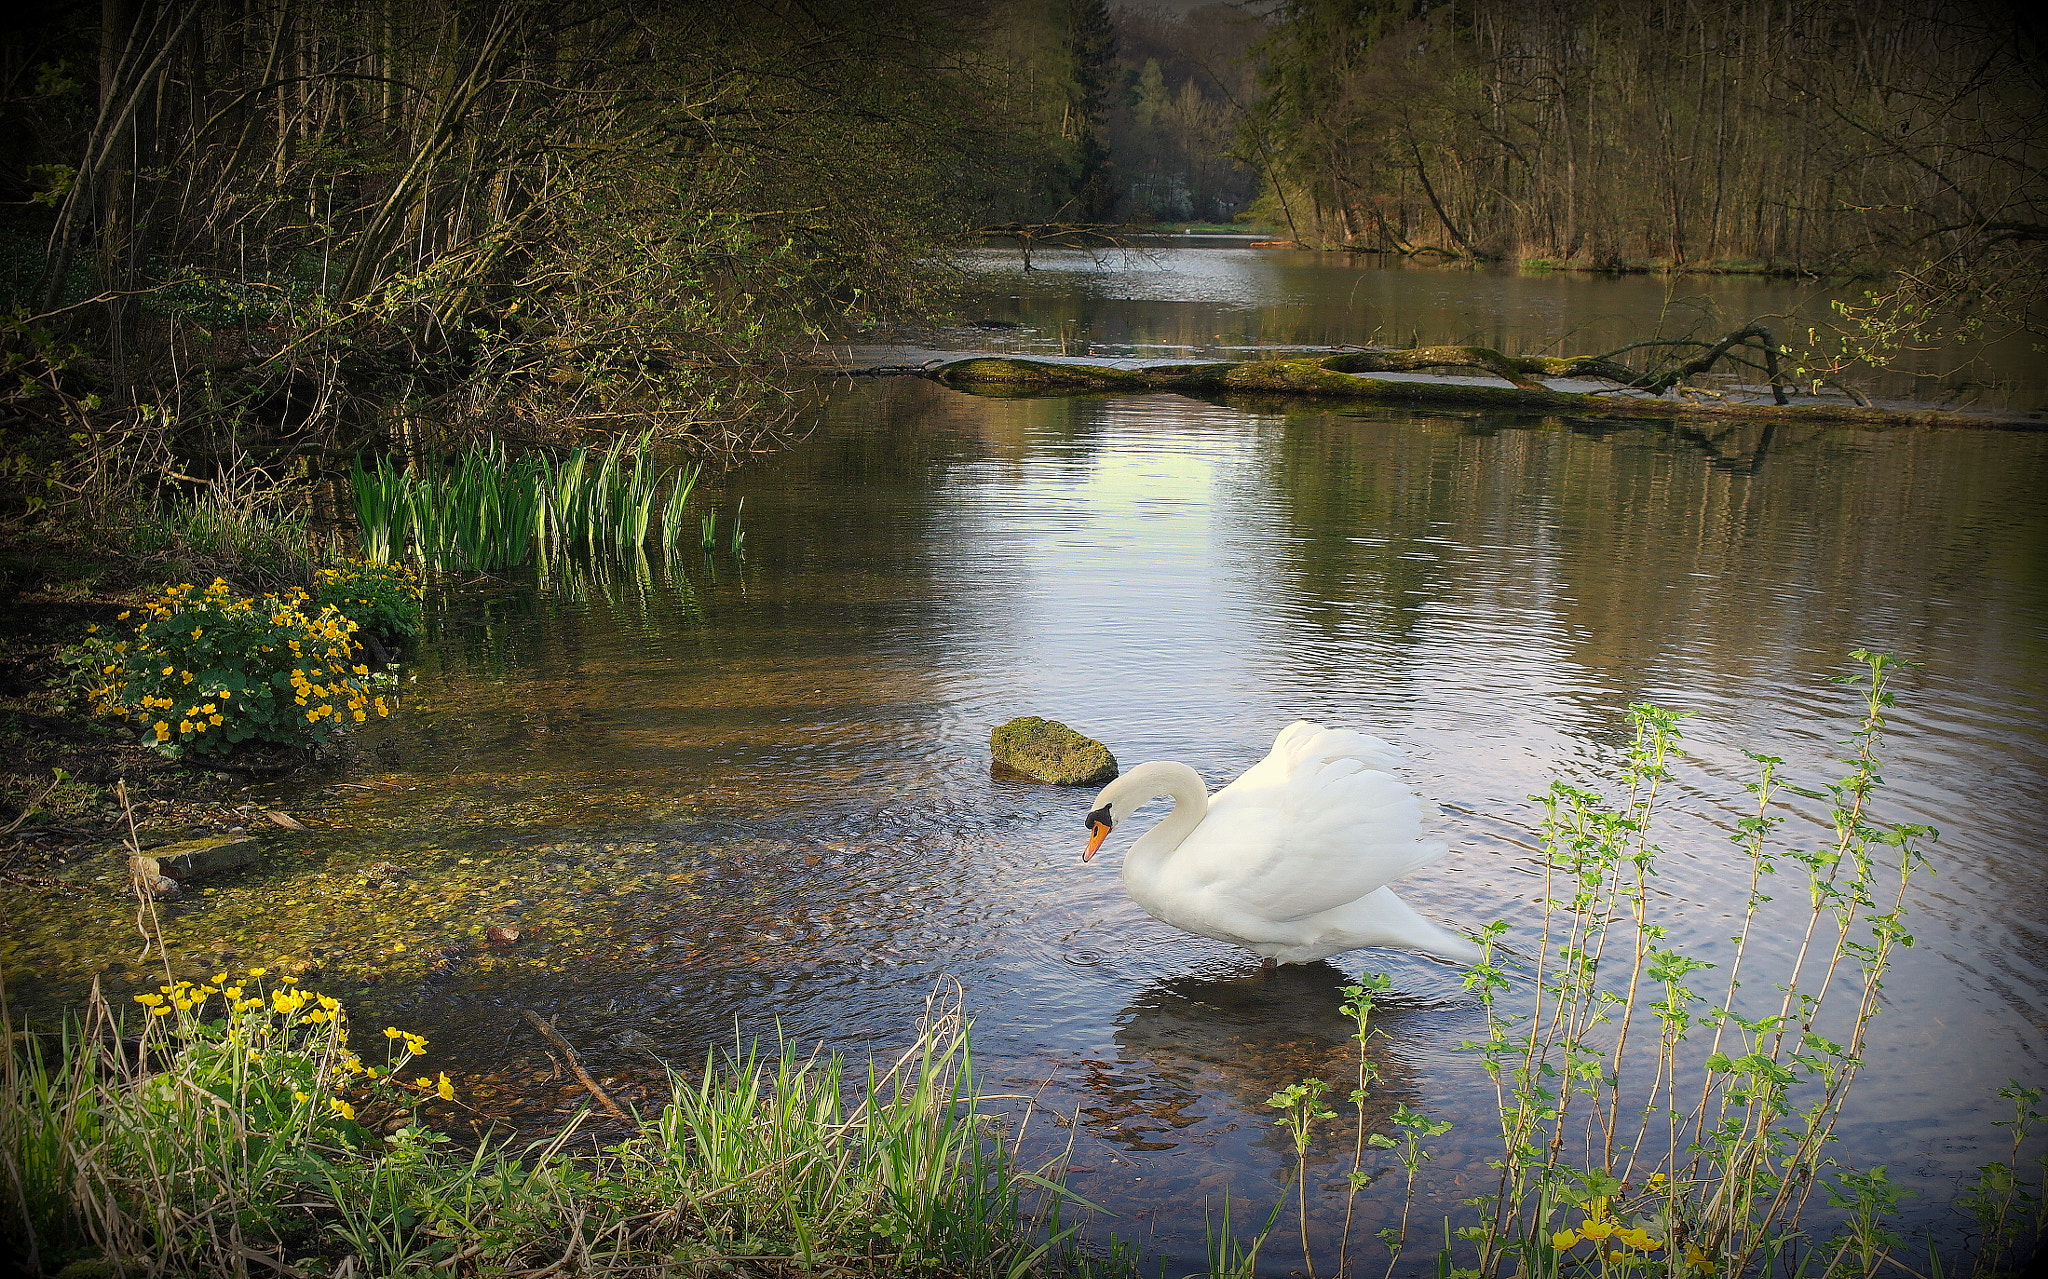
(1180, 1115)
(1197, 1057)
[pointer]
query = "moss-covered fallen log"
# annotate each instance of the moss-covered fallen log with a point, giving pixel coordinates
(1347, 376)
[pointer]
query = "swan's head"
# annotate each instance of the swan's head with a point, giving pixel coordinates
(1100, 823)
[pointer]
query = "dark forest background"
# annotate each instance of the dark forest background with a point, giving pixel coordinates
(235, 233)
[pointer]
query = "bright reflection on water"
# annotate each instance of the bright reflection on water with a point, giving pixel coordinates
(756, 794)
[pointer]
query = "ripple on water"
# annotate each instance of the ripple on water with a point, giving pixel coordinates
(752, 798)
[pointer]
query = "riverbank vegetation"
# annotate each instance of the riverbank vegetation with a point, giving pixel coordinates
(244, 242)
(1891, 140)
(243, 245)
(1842, 136)
(234, 1125)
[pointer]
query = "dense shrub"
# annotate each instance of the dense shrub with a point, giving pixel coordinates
(208, 671)
(381, 599)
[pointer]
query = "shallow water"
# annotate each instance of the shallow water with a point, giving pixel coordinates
(751, 794)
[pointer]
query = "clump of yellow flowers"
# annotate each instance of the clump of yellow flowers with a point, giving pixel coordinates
(1613, 1240)
(383, 599)
(283, 1046)
(207, 670)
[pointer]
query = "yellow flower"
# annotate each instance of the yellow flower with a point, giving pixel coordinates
(301, 1097)
(1564, 1239)
(217, 978)
(1640, 1239)
(445, 1088)
(159, 1012)
(258, 972)
(392, 1032)
(1596, 1230)
(341, 1108)
(149, 1001)
(423, 1082)
(396, 947)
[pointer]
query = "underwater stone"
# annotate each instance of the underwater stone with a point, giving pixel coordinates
(159, 885)
(1049, 751)
(193, 858)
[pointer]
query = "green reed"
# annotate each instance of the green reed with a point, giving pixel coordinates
(486, 508)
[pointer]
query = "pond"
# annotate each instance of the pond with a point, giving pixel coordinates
(743, 795)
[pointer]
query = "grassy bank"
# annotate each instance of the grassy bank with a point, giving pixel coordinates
(240, 1125)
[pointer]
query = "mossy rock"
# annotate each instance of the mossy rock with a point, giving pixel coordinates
(194, 858)
(1049, 751)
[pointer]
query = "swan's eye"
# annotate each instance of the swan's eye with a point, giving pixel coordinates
(1100, 817)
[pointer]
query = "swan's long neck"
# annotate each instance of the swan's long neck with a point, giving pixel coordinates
(1178, 782)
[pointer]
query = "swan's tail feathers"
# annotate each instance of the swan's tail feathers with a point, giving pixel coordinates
(1305, 743)
(1383, 919)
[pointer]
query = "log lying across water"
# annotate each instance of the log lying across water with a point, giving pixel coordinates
(1345, 376)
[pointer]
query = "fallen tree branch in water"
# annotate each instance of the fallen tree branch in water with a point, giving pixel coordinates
(576, 1065)
(1347, 376)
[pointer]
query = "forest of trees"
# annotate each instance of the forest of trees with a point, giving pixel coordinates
(232, 228)
(1184, 80)
(1809, 135)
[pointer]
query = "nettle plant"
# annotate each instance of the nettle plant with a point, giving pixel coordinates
(1663, 1113)
(208, 671)
(1650, 1123)
(381, 599)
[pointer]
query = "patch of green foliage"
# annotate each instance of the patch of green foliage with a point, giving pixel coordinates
(381, 599)
(244, 1120)
(208, 671)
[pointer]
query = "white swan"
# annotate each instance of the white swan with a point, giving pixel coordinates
(1292, 859)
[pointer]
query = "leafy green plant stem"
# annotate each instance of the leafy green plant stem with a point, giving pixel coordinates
(1301, 1105)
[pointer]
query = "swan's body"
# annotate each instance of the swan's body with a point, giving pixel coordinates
(1292, 859)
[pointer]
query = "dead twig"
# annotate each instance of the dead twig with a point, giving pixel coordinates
(575, 1064)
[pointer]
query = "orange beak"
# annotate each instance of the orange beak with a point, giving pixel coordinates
(1097, 832)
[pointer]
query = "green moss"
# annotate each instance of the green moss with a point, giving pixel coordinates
(1324, 377)
(1051, 752)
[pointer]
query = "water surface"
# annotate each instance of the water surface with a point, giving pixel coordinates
(751, 794)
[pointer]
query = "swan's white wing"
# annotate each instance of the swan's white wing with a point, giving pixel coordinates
(1296, 844)
(1302, 745)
